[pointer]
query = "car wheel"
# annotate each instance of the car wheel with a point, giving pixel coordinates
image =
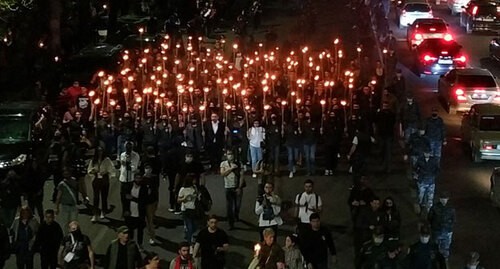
(475, 156)
(468, 28)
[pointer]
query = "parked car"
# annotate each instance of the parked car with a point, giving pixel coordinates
(480, 130)
(462, 88)
(412, 11)
(480, 16)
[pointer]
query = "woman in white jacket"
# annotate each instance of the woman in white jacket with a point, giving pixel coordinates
(256, 136)
(268, 208)
(100, 169)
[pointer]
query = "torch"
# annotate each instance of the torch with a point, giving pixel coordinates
(322, 102)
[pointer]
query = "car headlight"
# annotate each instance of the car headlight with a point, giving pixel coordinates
(16, 161)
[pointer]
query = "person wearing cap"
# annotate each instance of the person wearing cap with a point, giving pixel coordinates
(129, 162)
(409, 118)
(473, 261)
(442, 219)
(122, 252)
(424, 254)
(435, 131)
(417, 145)
(373, 251)
(427, 169)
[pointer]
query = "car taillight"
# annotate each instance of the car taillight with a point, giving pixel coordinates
(461, 59)
(488, 146)
(474, 10)
(448, 37)
(459, 92)
(432, 29)
(418, 37)
(429, 58)
(444, 52)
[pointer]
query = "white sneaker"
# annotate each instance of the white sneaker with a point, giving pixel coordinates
(290, 175)
(152, 241)
(254, 175)
(102, 216)
(327, 172)
(93, 219)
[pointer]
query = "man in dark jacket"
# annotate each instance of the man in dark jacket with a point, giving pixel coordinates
(385, 122)
(417, 145)
(273, 142)
(316, 244)
(122, 252)
(435, 131)
(427, 169)
(135, 217)
(409, 117)
(442, 219)
(425, 254)
(373, 251)
(48, 240)
(369, 218)
(215, 134)
(332, 132)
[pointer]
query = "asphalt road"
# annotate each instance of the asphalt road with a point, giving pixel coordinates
(478, 222)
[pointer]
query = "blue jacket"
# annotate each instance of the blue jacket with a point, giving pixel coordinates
(442, 218)
(427, 170)
(434, 129)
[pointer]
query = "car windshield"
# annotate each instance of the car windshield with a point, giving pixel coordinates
(487, 10)
(15, 128)
(489, 123)
(483, 81)
(417, 8)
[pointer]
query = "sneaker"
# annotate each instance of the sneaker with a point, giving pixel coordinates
(254, 175)
(327, 172)
(177, 212)
(290, 175)
(171, 209)
(102, 216)
(152, 241)
(93, 219)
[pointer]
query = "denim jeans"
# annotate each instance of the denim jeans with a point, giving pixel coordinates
(255, 155)
(274, 156)
(436, 149)
(426, 194)
(310, 158)
(443, 240)
(233, 205)
(293, 157)
(189, 225)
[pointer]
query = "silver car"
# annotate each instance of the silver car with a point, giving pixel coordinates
(462, 87)
(480, 130)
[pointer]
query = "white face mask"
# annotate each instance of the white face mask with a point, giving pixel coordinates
(443, 201)
(424, 239)
(378, 240)
(189, 159)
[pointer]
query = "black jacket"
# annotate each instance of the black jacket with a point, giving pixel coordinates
(49, 237)
(316, 245)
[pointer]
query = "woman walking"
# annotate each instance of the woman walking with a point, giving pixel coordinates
(100, 169)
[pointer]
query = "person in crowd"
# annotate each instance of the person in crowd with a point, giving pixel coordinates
(273, 142)
(292, 144)
(268, 208)
(409, 117)
(194, 135)
(122, 252)
(100, 170)
(360, 149)
(427, 169)
(234, 182)
(189, 166)
(373, 251)
(384, 128)
(442, 220)
(391, 219)
(398, 86)
(369, 218)
(152, 183)
(215, 132)
(307, 203)
(436, 133)
(129, 165)
(293, 256)
(76, 251)
(425, 254)
(393, 258)
(32, 185)
(212, 242)
(316, 244)
(183, 258)
(76, 160)
(147, 132)
(10, 198)
(309, 134)
(271, 255)
(48, 240)
(24, 229)
(4, 244)
(135, 217)
(67, 198)
(152, 261)
(256, 137)
(360, 196)
(473, 261)
(332, 131)
(187, 197)
(417, 145)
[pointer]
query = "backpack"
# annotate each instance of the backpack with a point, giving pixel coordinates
(268, 213)
(205, 200)
(315, 195)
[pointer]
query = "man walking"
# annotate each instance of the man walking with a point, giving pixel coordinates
(66, 200)
(442, 219)
(122, 252)
(316, 244)
(48, 240)
(214, 134)
(426, 169)
(435, 131)
(183, 259)
(129, 166)
(307, 203)
(213, 243)
(230, 170)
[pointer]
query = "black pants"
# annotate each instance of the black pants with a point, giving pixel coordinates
(48, 258)
(172, 191)
(35, 202)
(24, 260)
(100, 187)
(262, 228)
(332, 151)
(233, 205)
(215, 156)
(386, 153)
(136, 223)
(125, 188)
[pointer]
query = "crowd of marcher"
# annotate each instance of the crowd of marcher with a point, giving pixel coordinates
(233, 135)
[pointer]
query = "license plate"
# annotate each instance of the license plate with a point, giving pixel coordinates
(479, 96)
(445, 61)
(434, 36)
